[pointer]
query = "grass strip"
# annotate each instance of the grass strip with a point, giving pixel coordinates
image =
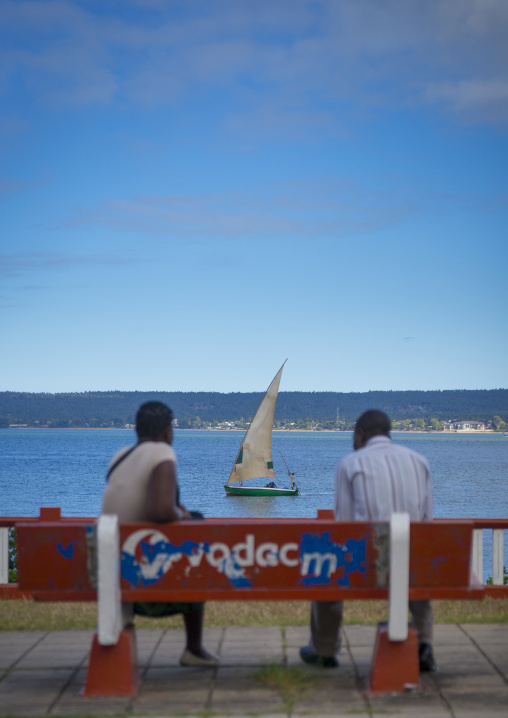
(292, 683)
(27, 615)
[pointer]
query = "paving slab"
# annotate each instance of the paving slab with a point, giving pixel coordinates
(236, 690)
(297, 635)
(147, 642)
(45, 673)
(359, 635)
(498, 656)
(478, 702)
(71, 701)
(424, 702)
(465, 667)
(335, 691)
(251, 657)
(252, 647)
(58, 649)
(450, 635)
(167, 653)
(14, 645)
(486, 632)
(361, 659)
(24, 692)
(175, 689)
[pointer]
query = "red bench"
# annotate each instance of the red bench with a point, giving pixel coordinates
(245, 559)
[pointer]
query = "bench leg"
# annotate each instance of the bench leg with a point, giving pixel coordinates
(395, 665)
(113, 670)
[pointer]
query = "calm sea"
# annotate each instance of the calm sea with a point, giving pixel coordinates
(67, 467)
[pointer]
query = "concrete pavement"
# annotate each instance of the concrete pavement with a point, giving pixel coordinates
(43, 673)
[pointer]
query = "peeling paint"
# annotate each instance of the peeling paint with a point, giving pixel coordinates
(382, 546)
(147, 555)
(438, 560)
(321, 559)
(66, 552)
(91, 555)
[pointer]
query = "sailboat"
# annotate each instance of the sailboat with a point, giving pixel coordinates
(254, 458)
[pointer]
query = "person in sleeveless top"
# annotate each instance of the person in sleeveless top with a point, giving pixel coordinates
(142, 486)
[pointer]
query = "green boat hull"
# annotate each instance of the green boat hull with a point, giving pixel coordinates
(258, 491)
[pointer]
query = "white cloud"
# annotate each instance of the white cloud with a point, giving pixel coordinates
(22, 263)
(334, 208)
(319, 59)
(328, 207)
(8, 186)
(473, 99)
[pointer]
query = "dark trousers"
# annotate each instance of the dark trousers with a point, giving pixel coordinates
(326, 622)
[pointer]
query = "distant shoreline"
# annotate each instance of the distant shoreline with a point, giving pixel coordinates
(242, 431)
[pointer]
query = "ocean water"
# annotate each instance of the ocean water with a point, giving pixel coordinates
(67, 468)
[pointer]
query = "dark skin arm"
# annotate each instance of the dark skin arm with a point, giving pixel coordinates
(161, 500)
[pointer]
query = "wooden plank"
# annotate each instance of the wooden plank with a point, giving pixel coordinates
(53, 556)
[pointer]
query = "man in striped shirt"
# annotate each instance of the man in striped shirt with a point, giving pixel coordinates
(378, 479)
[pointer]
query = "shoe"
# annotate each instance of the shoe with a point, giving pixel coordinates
(191, 659)
(427, 661)
(309, 656)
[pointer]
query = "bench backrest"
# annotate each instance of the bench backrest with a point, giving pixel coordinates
(228, 559)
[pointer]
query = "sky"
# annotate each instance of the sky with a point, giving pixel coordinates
(192, 191)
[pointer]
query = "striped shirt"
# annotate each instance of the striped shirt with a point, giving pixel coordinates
(382, 478)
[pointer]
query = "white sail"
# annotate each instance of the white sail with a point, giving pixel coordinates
(254, 460)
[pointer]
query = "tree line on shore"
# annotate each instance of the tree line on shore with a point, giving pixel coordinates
(420, 410)
(413, 424)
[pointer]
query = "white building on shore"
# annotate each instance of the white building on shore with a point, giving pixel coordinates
(465, 426)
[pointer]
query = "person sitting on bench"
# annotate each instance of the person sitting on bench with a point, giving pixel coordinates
(142, 486)
(380, 478)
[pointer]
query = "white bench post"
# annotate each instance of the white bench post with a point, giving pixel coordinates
(478, 554)
(4, 555)
(108, 580)
(497, 557)
(399, 577)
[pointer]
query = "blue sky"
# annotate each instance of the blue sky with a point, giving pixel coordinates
(192, 191)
